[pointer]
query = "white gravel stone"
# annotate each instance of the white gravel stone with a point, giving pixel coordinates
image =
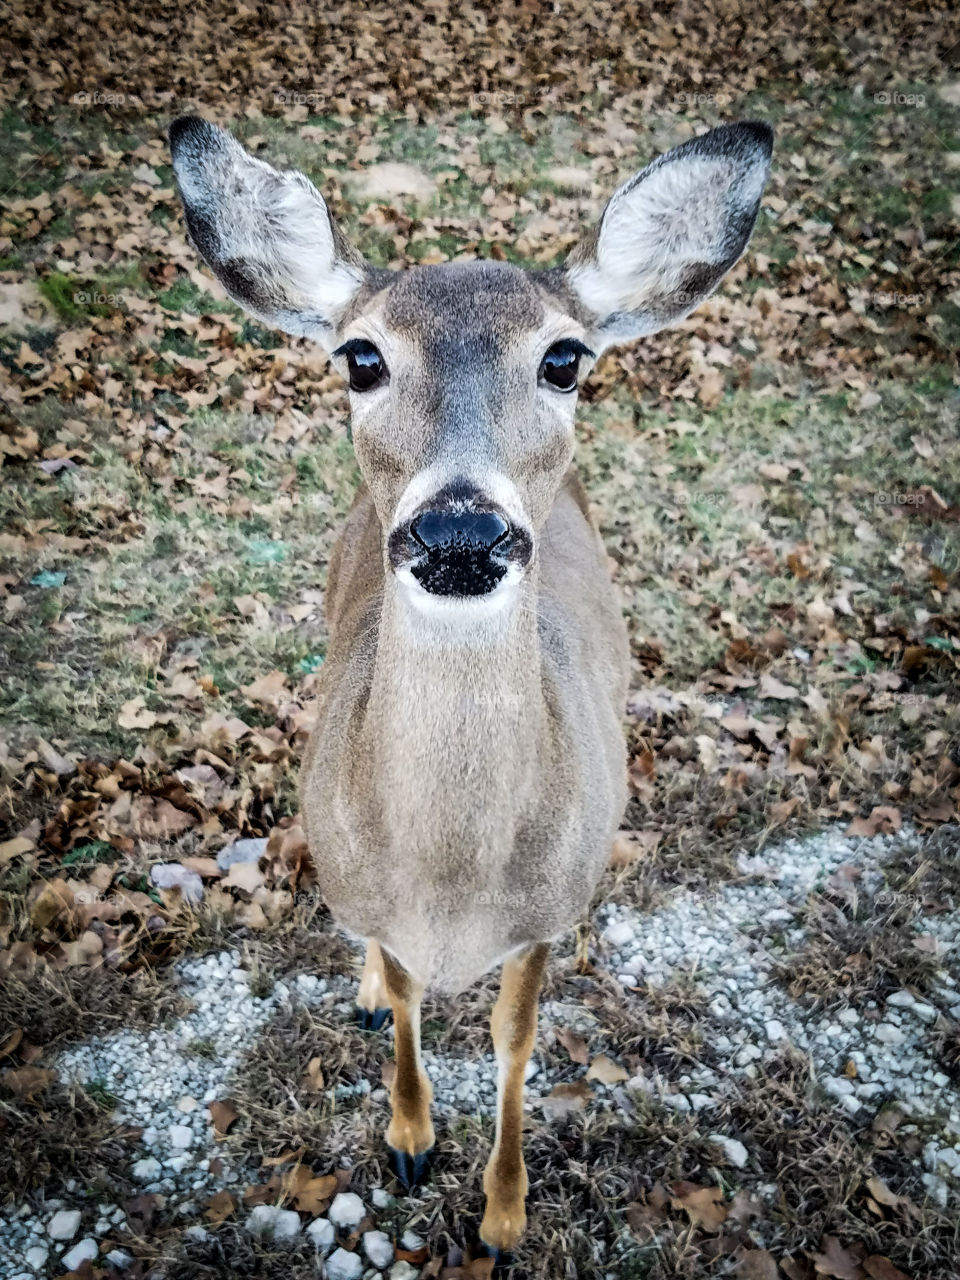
(618, 933)
(171, 875)
(347, 1210)
(64, 1224)
(403, 1271)
(733, 1149)
(181, 1136)
(381, 1199)
(411, 1241)
(36, 1258)
(119, 1259)
(322, 1233)
(147, 1170)
(775, 1030)
(270, 1220)
(241, 851)
(83, 1252)
(377, 1247)
(342, 1265)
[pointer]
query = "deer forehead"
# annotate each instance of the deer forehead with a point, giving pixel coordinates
(466, 313)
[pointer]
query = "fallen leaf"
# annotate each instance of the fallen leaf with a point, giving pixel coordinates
(836, 1261)
(704, 1206)
(220, 1207)
(27, 1081)
(313, 1077)
(756, 1264)
(223, 1114)
(575, 1045)
(606, 1071)
(564, 1099)
(771, 687)
(881, 1268)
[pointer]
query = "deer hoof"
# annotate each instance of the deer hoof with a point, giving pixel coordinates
(372, 1019)
(502, 1258)
(411, 1170)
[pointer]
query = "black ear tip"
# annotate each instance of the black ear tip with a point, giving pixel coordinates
(759, 132)
(190, 131)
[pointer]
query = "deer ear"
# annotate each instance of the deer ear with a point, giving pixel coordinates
(670, 234)
(267, 235)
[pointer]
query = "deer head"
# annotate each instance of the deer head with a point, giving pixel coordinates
(463, 377)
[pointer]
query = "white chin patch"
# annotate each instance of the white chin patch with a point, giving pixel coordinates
(459, 611)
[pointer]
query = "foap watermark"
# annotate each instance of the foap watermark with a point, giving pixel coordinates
(98, 98)
(500, 898)
(892, 98)
(897, 498)
(885, 298)
(94, 298)
(698, 98)
(498, 99)
(299, 98)
(702, 498)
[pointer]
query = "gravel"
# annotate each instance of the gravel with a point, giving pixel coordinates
(728, 943)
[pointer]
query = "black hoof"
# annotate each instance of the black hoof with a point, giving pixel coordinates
(502, 1258)
(411, 1171)
(368, 1020)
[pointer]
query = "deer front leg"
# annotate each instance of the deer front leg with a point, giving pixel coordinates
(514, 1026)
(373, 1000)
(410, 1132)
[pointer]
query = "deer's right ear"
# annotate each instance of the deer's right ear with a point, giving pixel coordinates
(267, 235)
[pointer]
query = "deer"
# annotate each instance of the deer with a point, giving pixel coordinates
(466, 773)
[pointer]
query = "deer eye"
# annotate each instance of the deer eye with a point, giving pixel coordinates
(561, 364)
(364, 363)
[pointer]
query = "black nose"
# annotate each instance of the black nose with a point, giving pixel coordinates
(467, 530)
(460, 551)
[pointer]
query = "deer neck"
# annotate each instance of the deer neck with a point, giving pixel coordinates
(456, 698)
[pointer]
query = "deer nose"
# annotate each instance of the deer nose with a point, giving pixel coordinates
(471, 531)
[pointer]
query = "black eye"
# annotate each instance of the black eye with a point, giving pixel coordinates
(561, 364)
(365, 364)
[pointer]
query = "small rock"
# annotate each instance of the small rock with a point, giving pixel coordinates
(342, 1265)
(887, 1033)
(403, 1271)
(411, 1241)
(733, 1149)
(618, 933)
(187, 1104)
(83, 1252)
(171, 875)
(381, 1199)
(322, 1234)
(241, 851)
(36, 1258)
(121, 1260)
(65, 1223)
(147, 1170)
(197, 1233)
(271, 1220)
(938, 1189)
(377, 1247)
(775, 1030)
(347, 1210)
(180, 1136)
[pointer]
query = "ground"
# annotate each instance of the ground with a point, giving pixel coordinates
(778, 484)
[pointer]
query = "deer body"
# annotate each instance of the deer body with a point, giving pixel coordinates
(460, 792)
(466, 773)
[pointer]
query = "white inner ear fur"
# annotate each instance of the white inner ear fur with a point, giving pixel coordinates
(659, 224)
(278, 225)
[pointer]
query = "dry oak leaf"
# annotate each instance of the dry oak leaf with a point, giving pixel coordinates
(771, 687)
(704, 1206)
(563, 1099)
(270, 690)
(308, 1193)
(836, 1261)
(630, 846)
(134, 715)
(881, 1268)
(223, 1114)
(27, 1081)
(54, 900)
(884, 820)
(313, 1076)
(757, 1264)
(575, 1045)
(606, 1071)
(15, 848)
(244, 875)
(219, 1207)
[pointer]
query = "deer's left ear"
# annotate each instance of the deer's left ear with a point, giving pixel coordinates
(670, 234)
